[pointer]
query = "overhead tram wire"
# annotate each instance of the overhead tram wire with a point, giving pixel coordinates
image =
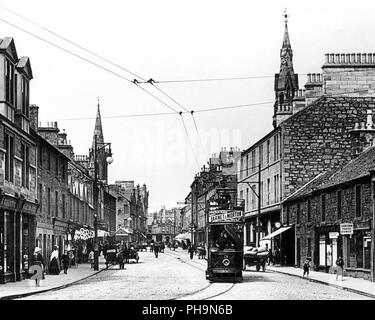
(127, 70)
(87, 60)
(191, 145)
(205, 110)
(152, 82)
(106, 69)
(71, 42)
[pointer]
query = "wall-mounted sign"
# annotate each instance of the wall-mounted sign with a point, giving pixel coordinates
(224, 215)
(333, 235)
(346, 228)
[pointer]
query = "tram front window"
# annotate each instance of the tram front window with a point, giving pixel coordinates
(224, 237)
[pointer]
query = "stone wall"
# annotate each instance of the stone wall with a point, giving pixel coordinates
(318, 138)
(305, 229)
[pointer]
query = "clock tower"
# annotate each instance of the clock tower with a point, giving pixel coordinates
(286, 81)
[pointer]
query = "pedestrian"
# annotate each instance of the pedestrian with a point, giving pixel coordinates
(65, 261)
(306, 267)
(91, 259)
(340, 268)
(191, 251)
(75, 258)
(120, 259)
(156, 249)
(54, 263)
(269, 256)
(38, 260)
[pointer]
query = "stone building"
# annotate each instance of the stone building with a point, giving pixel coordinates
(18, 193)
(65, 190)
(311, 134)
(131, 208)
(220, 174)
(53, 191)
(338, 199)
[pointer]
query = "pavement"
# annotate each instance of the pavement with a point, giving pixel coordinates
(356, 285)
(13, 290)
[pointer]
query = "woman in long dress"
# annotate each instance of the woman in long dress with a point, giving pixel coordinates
(54, 263)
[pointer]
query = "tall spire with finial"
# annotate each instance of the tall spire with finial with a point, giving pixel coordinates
(286, 41)
(98, 130)
(286, 81)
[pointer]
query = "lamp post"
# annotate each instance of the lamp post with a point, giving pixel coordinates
(129, 225)
(97, 147)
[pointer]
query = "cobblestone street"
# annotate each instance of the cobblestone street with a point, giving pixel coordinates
(174, 276)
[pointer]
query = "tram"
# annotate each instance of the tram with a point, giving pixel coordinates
(225, 242)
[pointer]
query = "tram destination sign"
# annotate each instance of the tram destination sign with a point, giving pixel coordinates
(225, 215)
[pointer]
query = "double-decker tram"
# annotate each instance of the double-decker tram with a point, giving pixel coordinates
(225, 239)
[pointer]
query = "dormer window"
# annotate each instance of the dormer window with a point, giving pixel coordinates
(25, 97)
(9, 82)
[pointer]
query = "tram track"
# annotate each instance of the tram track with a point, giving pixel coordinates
(201, 294)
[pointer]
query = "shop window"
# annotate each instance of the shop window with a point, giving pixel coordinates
(323, 207)
(358, 201)
(298, 213)
(322, 250)
(309, 247)
(359, 250)
(309, 210)
(339, 204)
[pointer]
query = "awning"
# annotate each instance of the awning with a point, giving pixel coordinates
(275, 233)
(183, 236)
(102, 233)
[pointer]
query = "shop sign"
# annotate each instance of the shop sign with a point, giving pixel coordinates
(333, 235)
(224, 215)
(346, 228)
(362, 225)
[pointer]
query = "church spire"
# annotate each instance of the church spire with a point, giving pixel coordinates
(286, 82)
(286, 40)
(98, 130)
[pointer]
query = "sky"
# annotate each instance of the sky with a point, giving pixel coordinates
(170, 40)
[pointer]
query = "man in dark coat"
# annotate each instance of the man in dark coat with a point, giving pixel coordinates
(156, 249)
(65, 261)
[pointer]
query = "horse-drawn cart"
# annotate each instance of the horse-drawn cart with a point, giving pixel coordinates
(255, 257)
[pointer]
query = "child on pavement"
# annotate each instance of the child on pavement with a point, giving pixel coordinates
(306, 267)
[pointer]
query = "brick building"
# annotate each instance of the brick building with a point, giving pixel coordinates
(18, 193)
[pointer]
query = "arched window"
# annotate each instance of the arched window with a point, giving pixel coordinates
(281, 98)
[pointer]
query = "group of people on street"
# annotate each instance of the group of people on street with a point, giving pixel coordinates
(57, 263)
(339, 267)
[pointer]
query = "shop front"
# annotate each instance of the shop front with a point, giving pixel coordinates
(357, 249)
(328, 247)
(17, 237)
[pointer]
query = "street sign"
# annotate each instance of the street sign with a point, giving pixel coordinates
(346, 228)
(224, 215)
(333, 235)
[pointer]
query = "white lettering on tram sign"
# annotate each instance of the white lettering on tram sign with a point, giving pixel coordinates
(346, 228)
(224, 215)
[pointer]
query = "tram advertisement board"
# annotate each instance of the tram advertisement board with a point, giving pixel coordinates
(225, 215)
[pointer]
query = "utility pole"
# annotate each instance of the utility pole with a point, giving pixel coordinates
(259, 205)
